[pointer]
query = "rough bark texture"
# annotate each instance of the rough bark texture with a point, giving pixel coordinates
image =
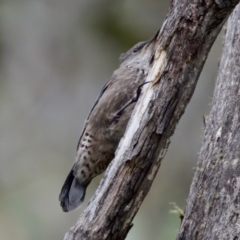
(213, 208)
(183, 45)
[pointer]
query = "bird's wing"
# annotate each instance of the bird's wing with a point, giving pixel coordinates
(105, 87)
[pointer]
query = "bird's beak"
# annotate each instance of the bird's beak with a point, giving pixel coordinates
(153, 39)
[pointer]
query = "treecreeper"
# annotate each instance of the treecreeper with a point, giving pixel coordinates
(107, 122)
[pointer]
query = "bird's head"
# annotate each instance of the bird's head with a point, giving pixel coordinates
(140, 54)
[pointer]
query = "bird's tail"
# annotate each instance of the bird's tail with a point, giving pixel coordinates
(72, 193)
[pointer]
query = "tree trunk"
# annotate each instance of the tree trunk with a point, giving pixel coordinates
(183, 45)
(213, 207)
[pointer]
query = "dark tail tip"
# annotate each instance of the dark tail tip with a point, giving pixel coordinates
(72, 193)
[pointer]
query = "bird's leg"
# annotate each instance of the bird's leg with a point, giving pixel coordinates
(132, 100)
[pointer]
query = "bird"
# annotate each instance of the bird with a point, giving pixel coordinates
(107, 122)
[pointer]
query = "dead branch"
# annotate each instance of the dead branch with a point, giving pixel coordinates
(183, 45)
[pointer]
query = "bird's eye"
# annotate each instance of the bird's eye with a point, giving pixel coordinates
(135, 49)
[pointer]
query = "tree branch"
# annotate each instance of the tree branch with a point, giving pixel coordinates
(213, 207)
(183, 45)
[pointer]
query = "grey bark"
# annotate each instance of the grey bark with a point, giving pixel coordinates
(213, 207)
(183, 45)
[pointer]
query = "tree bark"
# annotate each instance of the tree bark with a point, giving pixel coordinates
(183, 45)
(213, 207)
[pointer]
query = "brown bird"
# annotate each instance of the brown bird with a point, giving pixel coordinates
(107, 122)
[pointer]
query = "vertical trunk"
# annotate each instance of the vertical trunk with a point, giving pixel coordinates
(213, 207)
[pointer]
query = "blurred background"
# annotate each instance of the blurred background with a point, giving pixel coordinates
(54, 58)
